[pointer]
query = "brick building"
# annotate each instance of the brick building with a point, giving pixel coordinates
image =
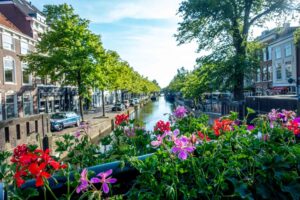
(16, 85)
(277, 73)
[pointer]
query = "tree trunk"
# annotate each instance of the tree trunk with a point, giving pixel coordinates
(116, 93)
(80, 93)
(81, 107)
(103, 104)
(239, 62)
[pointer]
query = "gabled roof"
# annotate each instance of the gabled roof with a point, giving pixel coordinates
(8, 24)
(25, 6)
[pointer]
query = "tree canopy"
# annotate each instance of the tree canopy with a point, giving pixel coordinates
(222, 27)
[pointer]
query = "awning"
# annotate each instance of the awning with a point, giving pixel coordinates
(280, 88)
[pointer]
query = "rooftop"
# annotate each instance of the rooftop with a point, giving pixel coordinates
(8, 24)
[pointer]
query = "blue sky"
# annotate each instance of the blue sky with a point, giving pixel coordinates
(141, 31)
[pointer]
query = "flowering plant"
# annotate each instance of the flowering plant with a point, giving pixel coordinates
(121, 119)
(180, 112)
(162, 126)
(222, 125)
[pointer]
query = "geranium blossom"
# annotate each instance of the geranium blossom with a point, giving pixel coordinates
(159, 140)
(293, 125)
(203, 136)
(222, 125)
(84, 183)
(182, 148)
(162, 126)
(121, 119)
(129, 132)
(105, 180)
(180, 112)
(37, 164)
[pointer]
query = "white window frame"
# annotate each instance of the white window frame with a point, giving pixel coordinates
(264, 55)
(9, 58)
(269, 53)
(15, 105)
(286, 67)
(30, 104)
(277, 52)
(1, 114)
(280, 72)
(30, 75)
(5, 44)
(24, 47)
(290, 50)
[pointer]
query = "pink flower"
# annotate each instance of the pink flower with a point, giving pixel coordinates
(180, 112)
(84, 183)
(250, 127)
(159, 140)
(77, 134)
(183, 148)
(105, 180)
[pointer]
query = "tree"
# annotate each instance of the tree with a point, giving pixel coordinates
(67, 52)
(222, 26)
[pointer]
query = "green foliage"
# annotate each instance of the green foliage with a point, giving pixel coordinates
(222, 27)
(237, 165)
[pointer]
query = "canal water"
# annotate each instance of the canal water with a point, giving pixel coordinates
(153, 112)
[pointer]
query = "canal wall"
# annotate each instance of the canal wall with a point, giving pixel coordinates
(99, 126)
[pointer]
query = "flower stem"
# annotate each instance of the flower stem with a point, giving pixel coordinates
(51, 192)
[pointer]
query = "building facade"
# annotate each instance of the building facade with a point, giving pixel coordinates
(16, 84)
(277, 73)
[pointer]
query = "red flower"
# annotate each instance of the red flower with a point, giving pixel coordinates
(121, 118)
(294, 126)
(222, 125)
(18, 152)
(37, 164)
(203, 136)
(162, 126)
(39, 172)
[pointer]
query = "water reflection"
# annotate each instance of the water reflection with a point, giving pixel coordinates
(153, 112)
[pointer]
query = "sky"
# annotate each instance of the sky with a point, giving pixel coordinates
(142, 32)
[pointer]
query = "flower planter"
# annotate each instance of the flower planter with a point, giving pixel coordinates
(124, 175)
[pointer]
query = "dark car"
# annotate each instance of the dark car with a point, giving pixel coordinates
(61, 120)
(118, 107)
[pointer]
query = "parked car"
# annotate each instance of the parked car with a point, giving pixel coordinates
(126, 103)
(133, 102)
(59, 121)
(118, 107)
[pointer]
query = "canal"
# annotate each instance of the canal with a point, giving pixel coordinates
(153, 112)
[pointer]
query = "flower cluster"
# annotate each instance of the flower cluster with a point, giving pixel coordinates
(203, 136)
(122, 118)
(162, 126)
(129, 131)
(180, 112)
(183, 147)
(222, 125)
(294, 126)
(283, 117)
(102, 177)
(37, 164)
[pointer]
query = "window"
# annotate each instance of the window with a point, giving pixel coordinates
(18, 129)
(270, 73)
(26, 76)
(277, 52)
(27, 105)
(8, 42)
(264, 55)
(24, 47)
(288, 50)
(265, 73)
(269, 53)
(27, 128)
(258, 75)
(288, 71)
(6, 130)
(278, 72)
(9, 70)
(10, 105)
